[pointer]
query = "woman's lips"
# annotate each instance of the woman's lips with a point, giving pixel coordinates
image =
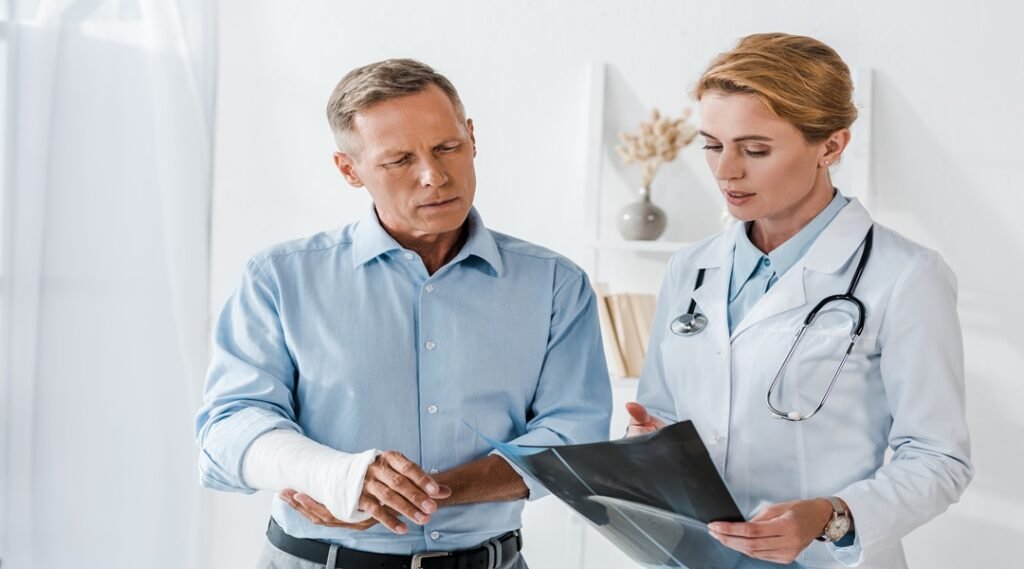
(737, 198)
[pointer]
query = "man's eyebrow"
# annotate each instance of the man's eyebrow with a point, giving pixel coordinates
(755, 137)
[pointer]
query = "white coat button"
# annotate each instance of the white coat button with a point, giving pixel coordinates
(409, 256)
(432, 409)
(430, 345)
(715, 440)
(429, 288)
(435, 535)
(433, 471)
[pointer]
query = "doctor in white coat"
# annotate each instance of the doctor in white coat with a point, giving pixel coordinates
(816, 486)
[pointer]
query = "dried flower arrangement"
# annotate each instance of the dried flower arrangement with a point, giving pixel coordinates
(658, 141)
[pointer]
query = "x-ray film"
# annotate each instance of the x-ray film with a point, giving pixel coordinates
(652, 496)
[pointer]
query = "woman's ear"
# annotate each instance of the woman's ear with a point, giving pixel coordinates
(834, 146)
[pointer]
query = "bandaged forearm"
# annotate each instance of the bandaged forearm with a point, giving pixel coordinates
(282, 459)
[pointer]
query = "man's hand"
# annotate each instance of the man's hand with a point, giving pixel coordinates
(396, 485)
(488, 479)
(640, 421)
(393, 486)
(779, 532)
(318, 514)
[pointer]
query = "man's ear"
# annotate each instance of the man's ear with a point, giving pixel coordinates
(346, 165)
(472, 137)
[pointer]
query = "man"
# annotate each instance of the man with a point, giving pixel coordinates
(350, 369)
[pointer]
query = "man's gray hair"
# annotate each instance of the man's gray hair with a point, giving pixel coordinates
(370, 84)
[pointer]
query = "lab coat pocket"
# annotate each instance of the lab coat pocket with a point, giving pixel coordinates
(817, 359)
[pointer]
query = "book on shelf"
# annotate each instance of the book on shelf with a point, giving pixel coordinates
(626, 320)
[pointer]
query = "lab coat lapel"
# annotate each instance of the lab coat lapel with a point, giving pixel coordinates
(713, 295)
(787, 294)
(830, 252)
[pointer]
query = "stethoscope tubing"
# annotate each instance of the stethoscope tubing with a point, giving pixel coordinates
(694, 322)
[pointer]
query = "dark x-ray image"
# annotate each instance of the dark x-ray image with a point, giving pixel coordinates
(652, 496)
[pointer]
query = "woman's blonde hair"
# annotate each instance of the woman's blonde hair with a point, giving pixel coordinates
(798, 78)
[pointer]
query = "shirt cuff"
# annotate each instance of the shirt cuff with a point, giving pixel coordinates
(536, 489)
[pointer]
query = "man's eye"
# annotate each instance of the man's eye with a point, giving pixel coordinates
(398, 162)
(450, 148)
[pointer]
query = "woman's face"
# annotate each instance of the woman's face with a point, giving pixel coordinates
(765, 168)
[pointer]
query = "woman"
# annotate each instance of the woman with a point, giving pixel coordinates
(807, 463)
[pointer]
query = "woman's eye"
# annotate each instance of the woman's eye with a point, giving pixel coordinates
(713, 147)
(757, 153)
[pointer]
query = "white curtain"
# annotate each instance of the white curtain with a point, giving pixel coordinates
(106, 312)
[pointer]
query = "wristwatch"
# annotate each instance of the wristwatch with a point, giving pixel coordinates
(839, 525)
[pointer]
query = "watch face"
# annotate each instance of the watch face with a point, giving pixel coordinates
(837, 528)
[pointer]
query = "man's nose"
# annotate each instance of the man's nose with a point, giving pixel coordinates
(433, 174)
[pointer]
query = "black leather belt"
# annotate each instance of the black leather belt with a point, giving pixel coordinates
(488, 556)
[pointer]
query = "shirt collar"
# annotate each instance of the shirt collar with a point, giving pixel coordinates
(746, 256)
(370, 240)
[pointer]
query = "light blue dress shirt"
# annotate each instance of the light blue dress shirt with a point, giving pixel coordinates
(754, 272)
(345, 337)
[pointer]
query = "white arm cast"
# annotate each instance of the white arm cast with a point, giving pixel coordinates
(284, 458)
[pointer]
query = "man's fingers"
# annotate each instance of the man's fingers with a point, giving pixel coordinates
(410, 470)
(395, 499)
(382, 514)
(316, 508)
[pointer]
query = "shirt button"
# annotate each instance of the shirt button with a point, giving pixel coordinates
(430, 345)
(432, 409)
(435, 535)
(433, 471)
(409, 256)
(767, 262)
(429, 288)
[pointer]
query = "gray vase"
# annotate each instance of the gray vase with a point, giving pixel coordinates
(642, 220)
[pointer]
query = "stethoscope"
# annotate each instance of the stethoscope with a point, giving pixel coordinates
(694, 322)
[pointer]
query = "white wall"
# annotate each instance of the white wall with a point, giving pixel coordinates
(947, 116)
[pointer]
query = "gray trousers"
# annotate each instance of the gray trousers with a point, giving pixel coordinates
(274, 558)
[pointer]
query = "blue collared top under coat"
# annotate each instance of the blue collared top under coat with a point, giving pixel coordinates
(754, 272)
(344, 337)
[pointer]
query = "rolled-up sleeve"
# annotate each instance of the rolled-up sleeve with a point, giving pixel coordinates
(572, 404)
(922, 369)
(250, 382)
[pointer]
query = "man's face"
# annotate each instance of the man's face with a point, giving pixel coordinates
(414, 154)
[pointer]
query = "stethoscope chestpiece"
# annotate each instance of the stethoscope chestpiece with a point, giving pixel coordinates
(689, 324)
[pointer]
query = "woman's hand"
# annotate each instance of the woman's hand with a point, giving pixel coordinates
(640, 421)
(779, 532)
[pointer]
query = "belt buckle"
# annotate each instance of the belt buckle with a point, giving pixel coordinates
(417, 559)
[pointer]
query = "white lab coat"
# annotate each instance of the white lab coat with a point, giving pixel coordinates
(902, 387)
